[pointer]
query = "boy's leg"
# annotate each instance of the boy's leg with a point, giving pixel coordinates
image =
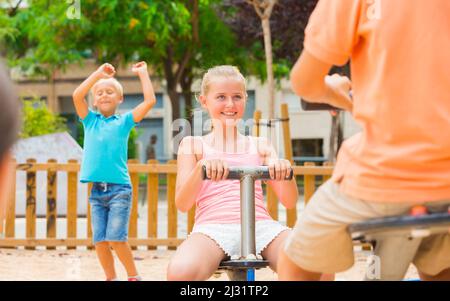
(99, 222)
(274, 253)
(433, 256)
(117, 227)
(106, 259)
(123, 251)
(289, 270)
(320, 241)
(442, 276)
(271, 252)
(197, 258)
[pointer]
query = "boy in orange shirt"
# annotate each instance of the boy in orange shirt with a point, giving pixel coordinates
(399, 52)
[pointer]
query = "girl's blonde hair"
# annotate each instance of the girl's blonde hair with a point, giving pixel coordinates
(225, 71)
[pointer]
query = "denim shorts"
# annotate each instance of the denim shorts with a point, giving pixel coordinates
(110, 211)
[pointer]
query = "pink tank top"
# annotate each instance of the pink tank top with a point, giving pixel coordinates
(219, 202)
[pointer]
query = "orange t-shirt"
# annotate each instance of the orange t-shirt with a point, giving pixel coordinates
(400, 66)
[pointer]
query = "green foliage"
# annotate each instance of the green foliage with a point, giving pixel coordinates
(6, 28)
(39, 120)
(46, 39)
(132, 145)
(162, 33)
(80, 134)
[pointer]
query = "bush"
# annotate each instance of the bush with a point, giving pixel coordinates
(132, 146)
(39, 120)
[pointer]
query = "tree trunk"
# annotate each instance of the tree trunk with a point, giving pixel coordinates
(175, 102)
(269, 64)
(52, 100)
(186, 85)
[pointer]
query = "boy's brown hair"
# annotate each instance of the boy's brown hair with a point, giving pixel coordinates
(9, 113)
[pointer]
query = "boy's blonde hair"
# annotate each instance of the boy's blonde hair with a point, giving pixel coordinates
(112, 81)
(225, 71)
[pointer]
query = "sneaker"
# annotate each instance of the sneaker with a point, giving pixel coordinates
(135, 278)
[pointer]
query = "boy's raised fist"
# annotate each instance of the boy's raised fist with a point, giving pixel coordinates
(106, 70)
(139, 67)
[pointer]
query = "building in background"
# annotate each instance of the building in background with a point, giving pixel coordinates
(310, 131)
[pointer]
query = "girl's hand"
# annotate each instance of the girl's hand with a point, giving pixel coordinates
(106, 71)
(139, 68)
(279, 169)
(216, 170)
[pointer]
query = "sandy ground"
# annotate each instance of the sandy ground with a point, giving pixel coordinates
(76, 265)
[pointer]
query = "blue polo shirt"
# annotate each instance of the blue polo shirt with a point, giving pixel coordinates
(106, 148)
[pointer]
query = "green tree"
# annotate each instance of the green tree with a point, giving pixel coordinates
(44, 40)
(178, 38)
(6, 29)
(39, 120)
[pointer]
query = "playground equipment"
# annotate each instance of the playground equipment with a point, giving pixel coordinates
(243, 268)
(396, 239)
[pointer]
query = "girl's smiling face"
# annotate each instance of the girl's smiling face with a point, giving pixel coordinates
(225, 100)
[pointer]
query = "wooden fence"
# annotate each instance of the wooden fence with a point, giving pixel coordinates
(152, 169)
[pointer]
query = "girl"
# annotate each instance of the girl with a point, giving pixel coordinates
(216, 233)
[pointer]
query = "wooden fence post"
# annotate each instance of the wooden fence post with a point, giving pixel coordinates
(132, 228)
(52, 184)
(291, 214)
(11, 209)
(31, 204)
(310, 185)
(72, 194)
(256, 127)
(152, 203)
(171, 208)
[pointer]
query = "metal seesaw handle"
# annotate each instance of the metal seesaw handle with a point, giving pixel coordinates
(256, 172)
(247, 176)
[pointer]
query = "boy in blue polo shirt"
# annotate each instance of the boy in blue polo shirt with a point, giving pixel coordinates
(105, 161)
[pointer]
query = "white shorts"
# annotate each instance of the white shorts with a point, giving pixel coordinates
(228, 236)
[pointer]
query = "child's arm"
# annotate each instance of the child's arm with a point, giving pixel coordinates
(285, 190)
(189, 174)
(310, 80)
(79, 95)
(142, 109)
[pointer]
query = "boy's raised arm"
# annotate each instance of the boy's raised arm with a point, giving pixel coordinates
(142, 109)
(79, 95)
(310, 80)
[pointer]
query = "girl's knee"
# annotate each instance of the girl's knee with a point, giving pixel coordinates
(272, 251)
(179, 270)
